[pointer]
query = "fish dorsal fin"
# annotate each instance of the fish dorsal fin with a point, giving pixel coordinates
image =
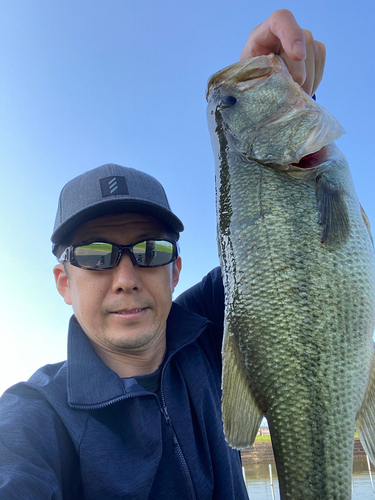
(241, 413)
(365, 422)
(333, 212)
(367, 223)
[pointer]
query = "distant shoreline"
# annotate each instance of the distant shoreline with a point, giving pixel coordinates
(261, 452)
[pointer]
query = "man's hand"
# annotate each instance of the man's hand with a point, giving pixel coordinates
(281, 34)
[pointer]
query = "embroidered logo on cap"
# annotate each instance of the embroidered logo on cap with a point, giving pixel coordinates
(113, 186)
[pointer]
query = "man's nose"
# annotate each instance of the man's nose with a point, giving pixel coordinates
(126, 275)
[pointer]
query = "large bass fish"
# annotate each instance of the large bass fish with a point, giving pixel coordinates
(299, 275)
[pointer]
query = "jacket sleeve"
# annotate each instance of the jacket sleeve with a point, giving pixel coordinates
(36, 452)
(207, 299)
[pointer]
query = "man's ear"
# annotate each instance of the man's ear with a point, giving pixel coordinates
(62, 283)
(176, 272)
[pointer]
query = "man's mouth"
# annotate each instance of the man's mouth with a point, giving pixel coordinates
(125, 312)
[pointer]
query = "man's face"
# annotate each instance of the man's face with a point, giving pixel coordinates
(125, 309)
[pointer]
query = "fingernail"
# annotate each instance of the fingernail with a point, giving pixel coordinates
(299, 50)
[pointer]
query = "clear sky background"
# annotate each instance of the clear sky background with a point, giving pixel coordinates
(87, 82)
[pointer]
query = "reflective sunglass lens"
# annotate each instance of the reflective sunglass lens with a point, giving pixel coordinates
(101, 255)
(153, 253)
(96, 255)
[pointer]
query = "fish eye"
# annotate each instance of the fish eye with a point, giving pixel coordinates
(228, 101)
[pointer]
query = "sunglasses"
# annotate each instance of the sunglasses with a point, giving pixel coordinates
(102, 255)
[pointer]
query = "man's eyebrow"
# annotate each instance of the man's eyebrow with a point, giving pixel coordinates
(93, 238)
(145, 235)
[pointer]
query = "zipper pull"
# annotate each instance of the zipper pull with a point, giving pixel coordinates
(166, 416)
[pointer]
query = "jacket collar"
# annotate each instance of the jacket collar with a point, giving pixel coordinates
(92, 384)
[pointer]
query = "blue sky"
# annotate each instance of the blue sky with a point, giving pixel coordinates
(90, 82)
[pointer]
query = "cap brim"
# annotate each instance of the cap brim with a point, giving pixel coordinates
(65, 230)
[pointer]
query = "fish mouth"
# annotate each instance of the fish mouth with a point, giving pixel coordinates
(306, 164)
(243, 74)
(311, 160)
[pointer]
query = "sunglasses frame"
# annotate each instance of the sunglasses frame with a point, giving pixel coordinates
(68, 254)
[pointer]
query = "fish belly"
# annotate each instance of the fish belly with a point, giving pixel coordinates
(297, 326)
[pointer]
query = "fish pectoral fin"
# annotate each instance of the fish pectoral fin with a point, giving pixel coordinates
(367, 223)
(241, 413)
(333, 212)
(365, 421)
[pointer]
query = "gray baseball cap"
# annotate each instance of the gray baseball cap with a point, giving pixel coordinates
(110, 189)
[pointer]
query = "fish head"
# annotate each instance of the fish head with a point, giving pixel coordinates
(265, 116)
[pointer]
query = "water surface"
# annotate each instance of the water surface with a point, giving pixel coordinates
(259, 485)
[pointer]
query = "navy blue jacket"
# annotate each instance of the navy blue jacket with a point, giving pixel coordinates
(76, 431)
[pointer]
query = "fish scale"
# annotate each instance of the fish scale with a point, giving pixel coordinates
(299, 278)
(271, 303)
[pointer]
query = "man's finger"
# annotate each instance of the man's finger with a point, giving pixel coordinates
(320, 60)
(280, 30)
(297, 69)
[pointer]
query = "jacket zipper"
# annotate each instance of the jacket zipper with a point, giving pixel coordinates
(164, 411)
(165, 414)
(169, 421)
(111, 402)
(179, 453)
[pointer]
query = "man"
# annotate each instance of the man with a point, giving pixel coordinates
(135, 410)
